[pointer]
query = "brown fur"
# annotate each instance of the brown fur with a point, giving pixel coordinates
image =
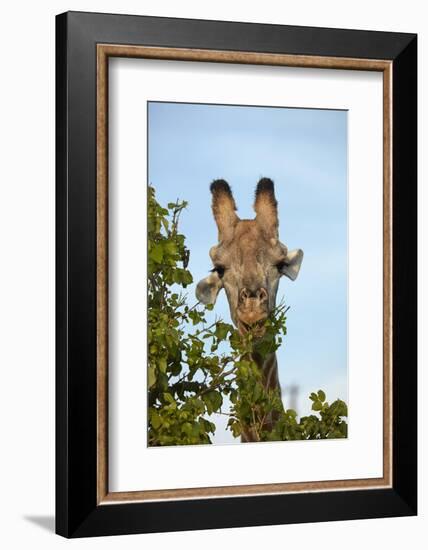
(224, 208)
(266, 207)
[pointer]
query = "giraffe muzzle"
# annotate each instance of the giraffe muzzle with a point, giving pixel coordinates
(252, 310)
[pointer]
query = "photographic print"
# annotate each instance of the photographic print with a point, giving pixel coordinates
(230, 271)
(247, 274)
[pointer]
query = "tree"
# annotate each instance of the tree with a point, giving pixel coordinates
(188, 378)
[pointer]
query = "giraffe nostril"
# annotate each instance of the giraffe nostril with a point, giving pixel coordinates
(244, 294)
(262, 294)
(259, 294)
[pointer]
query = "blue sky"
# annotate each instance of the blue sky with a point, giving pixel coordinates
(305, 152)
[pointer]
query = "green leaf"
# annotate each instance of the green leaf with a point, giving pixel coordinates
(156, 253)
(168, 398)
(151, 376)
(155, 419)
(257, 392)
(170, 248)
(162, 364)
(213, 401)
(187, 428)
(236, 428)
(222, 330)
(234, 396)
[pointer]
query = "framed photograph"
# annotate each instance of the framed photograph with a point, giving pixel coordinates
(236, 274)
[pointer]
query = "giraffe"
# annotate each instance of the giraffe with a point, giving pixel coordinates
(249, 261)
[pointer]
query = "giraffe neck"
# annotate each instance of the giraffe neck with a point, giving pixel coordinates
(269, 369)
(270, 380)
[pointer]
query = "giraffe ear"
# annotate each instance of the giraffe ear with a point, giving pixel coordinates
(266, 207)
(208, 288)
(292, 263)
(224, 209)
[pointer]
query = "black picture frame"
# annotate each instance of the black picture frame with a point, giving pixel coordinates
(77, 512)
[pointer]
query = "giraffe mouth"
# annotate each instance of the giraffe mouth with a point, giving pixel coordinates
(257, 328)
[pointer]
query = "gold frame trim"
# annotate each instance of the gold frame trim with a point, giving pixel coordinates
(104, 51)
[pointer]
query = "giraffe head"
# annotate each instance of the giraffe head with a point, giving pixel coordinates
(249, 259)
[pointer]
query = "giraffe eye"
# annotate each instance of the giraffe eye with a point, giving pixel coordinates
(280, 266)
(219, 269)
